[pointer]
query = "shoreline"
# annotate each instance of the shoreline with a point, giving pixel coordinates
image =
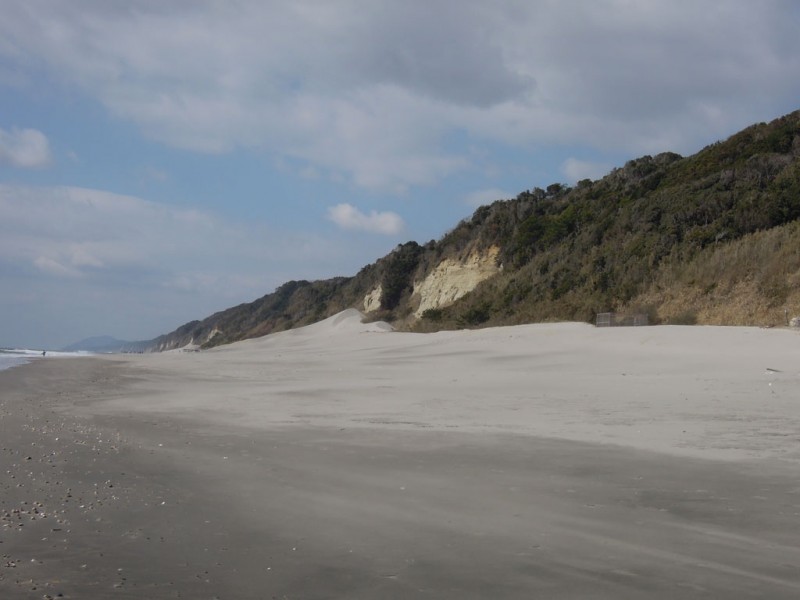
(123, 478)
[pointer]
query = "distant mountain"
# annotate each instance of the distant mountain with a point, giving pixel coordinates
(105, 344)
(710, 239)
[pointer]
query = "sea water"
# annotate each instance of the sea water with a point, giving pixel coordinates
(12, 357)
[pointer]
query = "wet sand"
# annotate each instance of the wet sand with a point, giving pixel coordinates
(227, 475)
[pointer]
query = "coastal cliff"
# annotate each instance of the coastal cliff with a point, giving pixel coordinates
(710, 238)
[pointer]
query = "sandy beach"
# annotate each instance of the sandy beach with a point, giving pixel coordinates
(343, 460)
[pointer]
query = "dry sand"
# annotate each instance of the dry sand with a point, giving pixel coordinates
(345, 461)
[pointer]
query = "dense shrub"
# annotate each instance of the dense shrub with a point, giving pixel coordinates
(399, 268)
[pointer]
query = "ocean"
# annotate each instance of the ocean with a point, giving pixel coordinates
(12, 357)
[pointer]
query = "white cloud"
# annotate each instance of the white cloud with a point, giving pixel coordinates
(53, 267)
(25, 148)
(349, 217)
(112, 239)
(576, 170)
(376, 90)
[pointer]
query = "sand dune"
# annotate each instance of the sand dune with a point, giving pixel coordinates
(345, 460)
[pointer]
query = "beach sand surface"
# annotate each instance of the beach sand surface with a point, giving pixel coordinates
(343, 460)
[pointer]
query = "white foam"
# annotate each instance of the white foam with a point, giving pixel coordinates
(12, 357)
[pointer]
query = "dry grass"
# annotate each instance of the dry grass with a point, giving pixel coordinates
(751, 281)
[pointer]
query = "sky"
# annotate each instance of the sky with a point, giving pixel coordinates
(160, 161)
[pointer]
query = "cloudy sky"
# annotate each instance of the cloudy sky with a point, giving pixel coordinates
(160, 161)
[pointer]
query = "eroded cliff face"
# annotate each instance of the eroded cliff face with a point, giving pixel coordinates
(372, 301)
(451, 279)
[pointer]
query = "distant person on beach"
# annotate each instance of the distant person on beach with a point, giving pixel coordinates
(44, 352)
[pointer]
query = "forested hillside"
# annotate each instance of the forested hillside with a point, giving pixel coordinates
(710, 238)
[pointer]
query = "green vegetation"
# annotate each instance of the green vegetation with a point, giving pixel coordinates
(398, 270)
(433, 314)
(476, 315)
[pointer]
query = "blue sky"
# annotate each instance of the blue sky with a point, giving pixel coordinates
(160, 161)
